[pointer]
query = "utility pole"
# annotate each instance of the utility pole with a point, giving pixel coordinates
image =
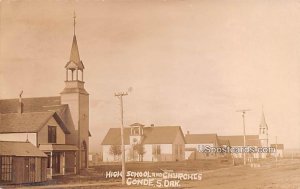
(244, 128)
(120, 96)
(276, 151)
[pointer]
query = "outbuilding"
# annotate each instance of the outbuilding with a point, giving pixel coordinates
(21, 162)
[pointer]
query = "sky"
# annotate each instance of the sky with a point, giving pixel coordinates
(189, 63)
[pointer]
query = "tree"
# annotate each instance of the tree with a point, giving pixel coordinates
(115, 150)
(140, 149)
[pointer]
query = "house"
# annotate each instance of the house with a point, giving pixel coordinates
(197, 143)
(58, 125)
(21, 162)
(279, 150)
(237, 142)
(153, 143)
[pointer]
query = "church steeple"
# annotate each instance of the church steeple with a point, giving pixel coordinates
(263, 123)
(74, 63)
(76, 97)
(263, 130)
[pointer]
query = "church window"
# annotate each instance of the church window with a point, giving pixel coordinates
(51, 134)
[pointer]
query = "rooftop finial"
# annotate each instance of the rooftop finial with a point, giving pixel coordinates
(74, 17)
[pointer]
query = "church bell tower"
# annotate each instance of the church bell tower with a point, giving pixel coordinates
(263, 131)
(77, 98)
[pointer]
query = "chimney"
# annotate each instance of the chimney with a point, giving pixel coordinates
(20, 105)
(152, 125)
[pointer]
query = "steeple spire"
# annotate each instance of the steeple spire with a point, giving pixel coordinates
(74, 18)
(74, 55)
(74, 62)
(263, 122)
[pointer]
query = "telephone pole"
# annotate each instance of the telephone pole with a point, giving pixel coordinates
(244, 128)
(276, 151)
(120, 96)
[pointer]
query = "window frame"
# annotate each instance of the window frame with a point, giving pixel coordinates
(6, 168)
(52, 134)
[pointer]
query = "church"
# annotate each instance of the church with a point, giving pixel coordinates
(58, 126)
(196, 142)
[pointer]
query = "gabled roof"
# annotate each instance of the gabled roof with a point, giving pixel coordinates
(35, 105)
(14, 148)
(201, 138)
(238, 140)
(28, 122)
(279, 146)
(152, 135)
(74, 61)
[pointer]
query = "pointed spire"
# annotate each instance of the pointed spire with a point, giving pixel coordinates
(74, 62)
(74, 56)
(263, 122)
(74, 17)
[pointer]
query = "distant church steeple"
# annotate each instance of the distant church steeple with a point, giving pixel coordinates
(263, 130)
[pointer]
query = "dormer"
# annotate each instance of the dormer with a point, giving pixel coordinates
(136, 133)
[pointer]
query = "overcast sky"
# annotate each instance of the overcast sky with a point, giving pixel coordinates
(190, 63)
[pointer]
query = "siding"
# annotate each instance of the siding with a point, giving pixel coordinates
(43, 133)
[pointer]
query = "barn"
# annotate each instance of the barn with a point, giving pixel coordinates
(21, 162)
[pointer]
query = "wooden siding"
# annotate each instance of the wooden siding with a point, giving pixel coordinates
(43, 133)
(28, 169)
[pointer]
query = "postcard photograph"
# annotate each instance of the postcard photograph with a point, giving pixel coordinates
(150, 94)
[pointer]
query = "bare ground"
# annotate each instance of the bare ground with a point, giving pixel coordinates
(286, 174)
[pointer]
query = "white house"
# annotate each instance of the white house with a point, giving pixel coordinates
(159, 143)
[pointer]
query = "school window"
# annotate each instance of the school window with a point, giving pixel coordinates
(156, 149)
(6, 168)
(51, 134)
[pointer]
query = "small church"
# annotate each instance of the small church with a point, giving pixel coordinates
(58, 126)
(194, 142)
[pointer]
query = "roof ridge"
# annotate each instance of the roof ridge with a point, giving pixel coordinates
(46, 111)
(30, 97)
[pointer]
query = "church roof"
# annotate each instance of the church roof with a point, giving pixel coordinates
(74, 62)
(35, 110)
(28, 122)
(36, 104)
(238, 140)
(152, 135)
(14, 148)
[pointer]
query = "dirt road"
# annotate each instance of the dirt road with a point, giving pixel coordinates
(286, 174)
